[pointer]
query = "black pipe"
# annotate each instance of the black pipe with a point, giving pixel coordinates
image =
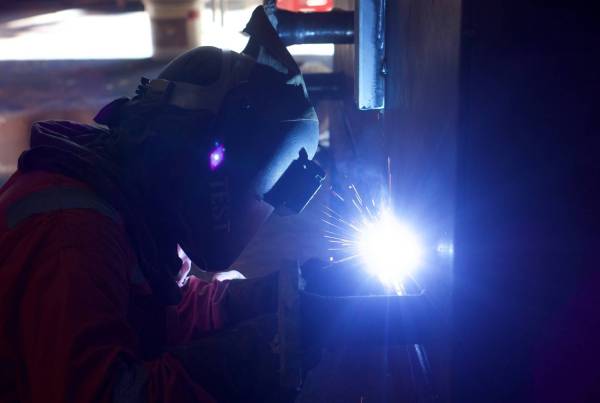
(326, 85)
(332, 27)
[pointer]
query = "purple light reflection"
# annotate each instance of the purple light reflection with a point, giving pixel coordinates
(216, 156)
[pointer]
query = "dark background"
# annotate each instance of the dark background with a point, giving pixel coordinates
(527, 227)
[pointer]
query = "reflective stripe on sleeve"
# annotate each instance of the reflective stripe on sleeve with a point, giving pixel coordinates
(57, 199)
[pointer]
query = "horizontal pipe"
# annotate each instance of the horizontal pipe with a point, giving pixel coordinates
(326, 85)
(331, 27)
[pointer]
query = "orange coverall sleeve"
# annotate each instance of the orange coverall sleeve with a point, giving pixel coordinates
(75, 341)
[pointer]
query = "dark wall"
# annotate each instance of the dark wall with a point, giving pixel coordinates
(420, 122)
(527, 268)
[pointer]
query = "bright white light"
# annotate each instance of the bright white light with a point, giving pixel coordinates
(316, 49)
(316, 3)
(445, 248)
(389, 249)
(77, 34)
(45, 19)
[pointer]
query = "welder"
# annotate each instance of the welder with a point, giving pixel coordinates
(93, 289)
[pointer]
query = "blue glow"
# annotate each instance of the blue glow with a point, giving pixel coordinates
(216, 156)
(445, 248)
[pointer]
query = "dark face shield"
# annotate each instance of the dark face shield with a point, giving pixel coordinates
(267, 146)
(297, 186)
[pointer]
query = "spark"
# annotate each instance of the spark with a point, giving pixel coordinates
(336, 194)
(386, 247)
(342, 221)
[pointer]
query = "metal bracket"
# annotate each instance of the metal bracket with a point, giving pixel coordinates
(365, 27)
(370, 69)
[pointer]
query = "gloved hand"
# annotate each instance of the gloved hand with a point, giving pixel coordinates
(189, 268)
(228, 275)
(251, 298)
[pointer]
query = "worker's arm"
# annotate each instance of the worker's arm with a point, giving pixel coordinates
(207, 306)
(75, 340)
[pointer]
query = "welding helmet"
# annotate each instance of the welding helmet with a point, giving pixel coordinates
(253, 147)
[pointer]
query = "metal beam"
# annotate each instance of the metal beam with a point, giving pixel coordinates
(370, 68)
(332, 27)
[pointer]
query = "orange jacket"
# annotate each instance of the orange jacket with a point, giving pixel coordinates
(76, 314)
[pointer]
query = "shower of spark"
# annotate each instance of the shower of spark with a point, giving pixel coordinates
(386, 248)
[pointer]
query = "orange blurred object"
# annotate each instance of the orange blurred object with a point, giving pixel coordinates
(305, 5)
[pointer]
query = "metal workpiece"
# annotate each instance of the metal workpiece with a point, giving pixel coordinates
(367, 320)
(364, 27)
(308, 320)
(370, 66)
(298, 28)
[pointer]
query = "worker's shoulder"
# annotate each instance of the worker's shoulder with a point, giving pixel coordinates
(63, 211)
(39, 229)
